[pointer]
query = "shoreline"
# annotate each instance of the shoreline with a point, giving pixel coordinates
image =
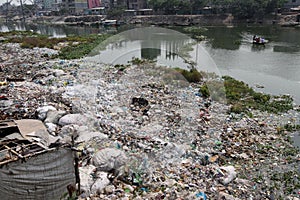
(172, 142)
(289, 20)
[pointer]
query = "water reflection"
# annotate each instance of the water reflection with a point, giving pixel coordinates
(275, 65)
(256, 47)
(286, 49)
(52, 30)
(233, 38)
(159, 44)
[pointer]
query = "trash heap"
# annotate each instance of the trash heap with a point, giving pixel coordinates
(143, 132)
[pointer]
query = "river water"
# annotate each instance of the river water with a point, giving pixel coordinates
(227, 50)
(276, 66)
(273, 68)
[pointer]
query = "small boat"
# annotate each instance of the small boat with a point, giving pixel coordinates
(259, 40)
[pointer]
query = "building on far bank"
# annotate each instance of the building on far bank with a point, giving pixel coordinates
(7, 9)
(137, 4)
(93, 4)
(47, 4)
(75, 7)
(133, 4)
(39, 4)
(291, 4)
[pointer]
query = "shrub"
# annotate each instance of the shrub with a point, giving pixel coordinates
(204, 91)
(192, 76)
(243, 97)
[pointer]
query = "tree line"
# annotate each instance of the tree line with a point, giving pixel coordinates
(242, 9)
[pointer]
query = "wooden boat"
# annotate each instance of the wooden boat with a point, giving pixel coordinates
(259, 41)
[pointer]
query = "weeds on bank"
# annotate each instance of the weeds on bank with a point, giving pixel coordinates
(85, 46)
(242, 97)
(195, 32)
(17, 33)
(192, 76)
(76, 46)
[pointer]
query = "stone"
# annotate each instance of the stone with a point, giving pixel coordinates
(226, 196)
(244, 156)
(109, 159)
(230, 174)
(101, 182)
(77, 119)
(58, 72)
(129, 187)
(86, 136)
(42, 111)
(68, 132)
(51, 127)
(109, 189)
(53, 116)
(86, 180)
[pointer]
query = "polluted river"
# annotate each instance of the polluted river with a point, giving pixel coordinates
(142, 127)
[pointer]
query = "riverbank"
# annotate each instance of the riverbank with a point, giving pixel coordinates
(156, 136)
(163, 20)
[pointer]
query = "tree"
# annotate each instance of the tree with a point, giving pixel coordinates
(246, 9)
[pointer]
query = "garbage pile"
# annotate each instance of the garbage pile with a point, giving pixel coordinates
(143, 132)
(177, 145)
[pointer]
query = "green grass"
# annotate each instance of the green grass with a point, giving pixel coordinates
(86, 45)
(243, 98)
(192, 76)
(78, 46)
(17, 33)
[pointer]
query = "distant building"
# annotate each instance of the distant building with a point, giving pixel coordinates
(95, 11)
(48, 4)
(291, 4)
(56, 6)
(75, 7)
(133, 4)
(93, 4)
(137, 4)
(104, 3)
(39, 4)
(7, 9)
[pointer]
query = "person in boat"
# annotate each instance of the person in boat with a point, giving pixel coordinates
(256, 39)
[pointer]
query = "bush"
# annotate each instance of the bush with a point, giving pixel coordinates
(192, 76)
(204, 91)
(244, 97)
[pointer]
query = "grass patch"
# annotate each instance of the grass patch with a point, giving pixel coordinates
(77, 46)
(192, 76)
(121, 67)
(85, 46)
(195, 32)
(17, 33)
(243, 98)
(137, 61)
